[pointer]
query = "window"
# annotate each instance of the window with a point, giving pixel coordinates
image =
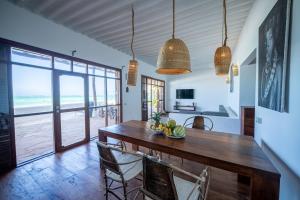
(30, 58)
(79, 67)
(104, 98)
(31, 95)
(94, 70)
(153, 96)
(62, 64)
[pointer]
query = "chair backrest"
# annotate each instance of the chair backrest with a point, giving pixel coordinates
(158, 180)
(205, 185)
(107, 158)
(199, 123)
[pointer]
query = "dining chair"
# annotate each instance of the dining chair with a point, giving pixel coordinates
(119, 166)
(160, 183)
(199, 123)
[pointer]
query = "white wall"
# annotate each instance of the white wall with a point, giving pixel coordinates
(210, 91)
(23, 26)
(220, 124)
(280, 131)
(247, 85)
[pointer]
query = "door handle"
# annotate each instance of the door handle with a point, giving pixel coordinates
(57, 108)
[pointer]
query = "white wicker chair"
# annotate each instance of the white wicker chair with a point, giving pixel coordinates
(160, 183)
(120, 166)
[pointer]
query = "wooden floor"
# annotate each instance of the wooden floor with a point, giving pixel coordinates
(75, 174)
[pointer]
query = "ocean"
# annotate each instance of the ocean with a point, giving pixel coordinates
(37, 101)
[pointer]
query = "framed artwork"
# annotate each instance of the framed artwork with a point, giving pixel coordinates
(273, 57)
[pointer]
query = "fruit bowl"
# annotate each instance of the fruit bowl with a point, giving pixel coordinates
(170, 129)
(175, 137)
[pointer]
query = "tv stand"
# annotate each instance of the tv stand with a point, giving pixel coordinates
(185, 107)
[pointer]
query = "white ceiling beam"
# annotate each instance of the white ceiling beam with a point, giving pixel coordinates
(153, 36)
(64, 8)
(150, 17)
(164, 26)
(121, 18)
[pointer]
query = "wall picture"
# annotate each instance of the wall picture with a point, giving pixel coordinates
(273, 57)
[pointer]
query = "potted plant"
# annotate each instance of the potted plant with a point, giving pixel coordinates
(156, 116)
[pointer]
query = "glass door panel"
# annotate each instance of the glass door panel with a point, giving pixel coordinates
(72, 127)
(71, 116)
(113, 92)
(97, 120)
(34, 136)
(71, 92)
(33, 111)
(113, 115)
(153, 97)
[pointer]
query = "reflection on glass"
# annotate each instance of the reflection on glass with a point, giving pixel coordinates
(62, 64)
(112, 73)
(97, 120)
(31, 95)
(34, 136)
(71, 91)
(72, 127)
(29, 57)
(113, 115)
(113, 91)
(96, 91)
(95, 70)
(79, 67)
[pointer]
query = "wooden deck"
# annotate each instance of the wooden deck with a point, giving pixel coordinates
(35, 134)
(75, 174)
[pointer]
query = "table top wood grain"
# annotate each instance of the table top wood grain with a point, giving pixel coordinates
(236, 153)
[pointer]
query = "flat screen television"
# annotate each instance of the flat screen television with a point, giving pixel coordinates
(185, 94)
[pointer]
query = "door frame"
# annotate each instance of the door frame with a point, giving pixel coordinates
(143, 116)
(57, 111)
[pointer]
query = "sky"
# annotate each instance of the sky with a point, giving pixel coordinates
(30, 81)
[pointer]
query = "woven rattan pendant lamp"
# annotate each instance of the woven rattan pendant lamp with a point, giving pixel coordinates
(133, 64)
(174, 56)
(223, 53)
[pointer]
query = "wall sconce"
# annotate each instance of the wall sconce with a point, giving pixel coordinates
(235, 70)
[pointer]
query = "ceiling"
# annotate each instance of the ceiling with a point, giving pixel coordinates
(198, 23)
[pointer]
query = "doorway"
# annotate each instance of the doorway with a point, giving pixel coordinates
(247, 94)
(152, 97)
(70, 109)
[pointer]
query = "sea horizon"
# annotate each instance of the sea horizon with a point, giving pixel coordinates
(40, 100)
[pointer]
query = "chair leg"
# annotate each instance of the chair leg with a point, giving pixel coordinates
(136, 195)
(124, 189)
(106, 186)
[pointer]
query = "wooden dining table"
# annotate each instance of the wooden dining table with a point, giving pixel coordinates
(234, 153)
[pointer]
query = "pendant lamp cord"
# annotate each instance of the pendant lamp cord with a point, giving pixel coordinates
(173, 35)
(132, 37)
(225, 22)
